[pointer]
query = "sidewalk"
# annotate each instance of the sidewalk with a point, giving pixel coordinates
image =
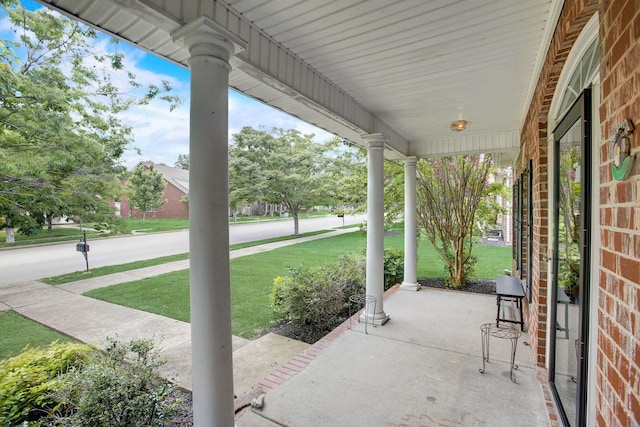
(64, 309)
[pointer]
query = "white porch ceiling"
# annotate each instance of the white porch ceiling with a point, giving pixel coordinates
(405, 68)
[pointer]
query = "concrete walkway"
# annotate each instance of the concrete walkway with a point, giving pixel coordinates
(419, 369)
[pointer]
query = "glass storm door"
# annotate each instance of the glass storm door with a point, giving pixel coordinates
(571, 260)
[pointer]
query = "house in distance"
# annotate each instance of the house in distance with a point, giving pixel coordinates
(177, 188)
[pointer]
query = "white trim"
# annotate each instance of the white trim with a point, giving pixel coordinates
(594, 296)
(584, 40)
(578, 50)
(549, 31)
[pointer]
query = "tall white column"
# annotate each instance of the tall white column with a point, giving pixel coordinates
(410, 282)
(375, 224)
(212, 362)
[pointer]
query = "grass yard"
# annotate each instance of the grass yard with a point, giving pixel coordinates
(31, 333)
(252, 278)
(155, 225)
(492, 260)
(251, 282)
(60, 233)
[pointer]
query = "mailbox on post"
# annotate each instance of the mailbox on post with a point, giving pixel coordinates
(82, 247)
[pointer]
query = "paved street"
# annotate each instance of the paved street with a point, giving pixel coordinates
(32, 263)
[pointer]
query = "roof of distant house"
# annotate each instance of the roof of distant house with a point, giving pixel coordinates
(177, 176)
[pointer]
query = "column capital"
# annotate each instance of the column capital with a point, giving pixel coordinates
(205, 37)
(375, 140)
(410, 161)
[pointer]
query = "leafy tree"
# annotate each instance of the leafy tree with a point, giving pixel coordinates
(62, 101)
(490, 207)
(449, 191)
(393, 192)
(145, 189)
(347, 168)
(182, 162)
(281, 166)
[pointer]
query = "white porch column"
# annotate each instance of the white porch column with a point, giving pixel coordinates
(212, 363)
(410, 282)
(375, 224)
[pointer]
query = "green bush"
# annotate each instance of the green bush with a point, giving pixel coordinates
(393, 267)
(118, 388)
(29, 380)
(318, 295)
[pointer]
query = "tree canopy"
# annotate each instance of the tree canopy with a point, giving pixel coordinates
(62, 134)
(145, 189)
(278, 167)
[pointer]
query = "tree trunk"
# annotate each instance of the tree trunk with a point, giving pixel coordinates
(296, 227)
(11, 238)
(456, 277)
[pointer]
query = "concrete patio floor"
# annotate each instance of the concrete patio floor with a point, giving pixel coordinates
(420, 369)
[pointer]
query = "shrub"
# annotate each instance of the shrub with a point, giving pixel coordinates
(318, 295)
(393, 267)
(118, 388)
(348, 274)
(29, 380)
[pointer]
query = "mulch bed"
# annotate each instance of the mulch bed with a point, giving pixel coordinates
(487, 287)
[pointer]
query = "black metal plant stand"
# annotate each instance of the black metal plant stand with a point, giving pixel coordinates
(503, 332)
(363, 301)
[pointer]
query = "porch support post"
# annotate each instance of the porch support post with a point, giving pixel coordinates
(212, 362)
(375, 225)
(410, 282)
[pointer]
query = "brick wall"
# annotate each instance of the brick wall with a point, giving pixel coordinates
(618, 343)
(618, 360)
(575, 14)
(174, 208)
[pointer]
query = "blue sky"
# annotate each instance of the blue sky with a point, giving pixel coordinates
(162, 135)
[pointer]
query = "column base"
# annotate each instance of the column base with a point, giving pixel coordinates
(378, 319)
(405, 286)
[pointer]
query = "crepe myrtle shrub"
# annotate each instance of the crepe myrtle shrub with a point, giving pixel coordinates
(120, 387)
(318, 296)
(29, 380)
(468, 269)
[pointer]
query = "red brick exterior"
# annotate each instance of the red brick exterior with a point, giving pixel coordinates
(617, 365)
(574, 16)
(174, 208)
(618, 361)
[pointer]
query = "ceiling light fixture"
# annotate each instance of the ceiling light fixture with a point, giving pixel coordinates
(458, 125)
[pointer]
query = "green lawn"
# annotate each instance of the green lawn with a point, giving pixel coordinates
(58, 234)
(252, 278)
(30, 332)
(67, 232)
(155, 225)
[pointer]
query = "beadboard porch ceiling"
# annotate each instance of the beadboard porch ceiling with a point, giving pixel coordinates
(405, 68)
